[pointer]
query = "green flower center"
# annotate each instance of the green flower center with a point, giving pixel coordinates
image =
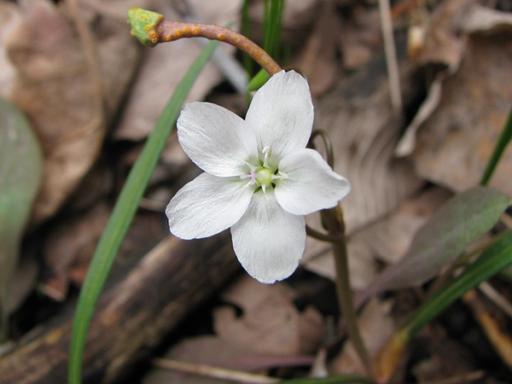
(264, 177)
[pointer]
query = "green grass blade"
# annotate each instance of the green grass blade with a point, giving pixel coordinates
(493, 260)
(245, 29)
(501, 145)
(272, 25)
(344, 379)
(124, 212)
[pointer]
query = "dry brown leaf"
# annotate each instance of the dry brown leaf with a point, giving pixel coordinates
(363, 131)
(270, 323)
(53, 86)
(481, 19)
(215, 352)
(443, 42)
(457, 141)
(376, 325)
(386, 240)
(407, 143)
(22, 283)
(318, 61)
(72, 241)
(165, 65)
(9, 17)
(360, 36)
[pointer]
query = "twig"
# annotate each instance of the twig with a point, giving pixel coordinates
(391, 60)
(214, 372)
(497, 298)
(501, 341)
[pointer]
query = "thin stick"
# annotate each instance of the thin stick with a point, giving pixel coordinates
(214, 372)
(497, 298)
(391, 61)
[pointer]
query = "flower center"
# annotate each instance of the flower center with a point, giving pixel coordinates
(264, 177)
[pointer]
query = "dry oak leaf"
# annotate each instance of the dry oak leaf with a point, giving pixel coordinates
(457, 141)
(54, 87)
(270, 323)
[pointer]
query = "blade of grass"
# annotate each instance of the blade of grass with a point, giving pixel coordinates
(124, 212)
(501, 145)
(273, 15)
(245, 28)
(272, 25)
(494, 259)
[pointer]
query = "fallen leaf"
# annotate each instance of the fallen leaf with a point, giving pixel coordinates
(407, 143)
(318, 60)
(363, 131)
(164, 66)
(456, 142)
(20, 176)
(446, 40)
(481, 19)
(463, 219)
(53, 87)
(376, 326)
(386, 240)
(70, 241)
(444, 44)
(213, 351)
(269, 323)
(360, 36)
(22, 283)
(9, 17)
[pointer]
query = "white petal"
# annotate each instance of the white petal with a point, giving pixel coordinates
(216, 139)
(207, 205)
(310, 184)
(281, 113)
(269, 241)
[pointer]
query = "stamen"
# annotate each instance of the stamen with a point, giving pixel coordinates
(266, 155)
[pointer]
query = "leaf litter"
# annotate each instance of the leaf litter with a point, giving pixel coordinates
(455, 83)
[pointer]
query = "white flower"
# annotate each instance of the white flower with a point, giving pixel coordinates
(259, 179)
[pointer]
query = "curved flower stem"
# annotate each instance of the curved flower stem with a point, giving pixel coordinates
(151, 28)
(332, 220)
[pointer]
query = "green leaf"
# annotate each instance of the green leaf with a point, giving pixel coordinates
(20, 176)
(347, 379)
(463, 219)
(124, 211)
(258, 80)
(501, 145)
(493, 260)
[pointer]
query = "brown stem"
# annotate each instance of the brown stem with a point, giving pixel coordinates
(173, 30)
(332, 219)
